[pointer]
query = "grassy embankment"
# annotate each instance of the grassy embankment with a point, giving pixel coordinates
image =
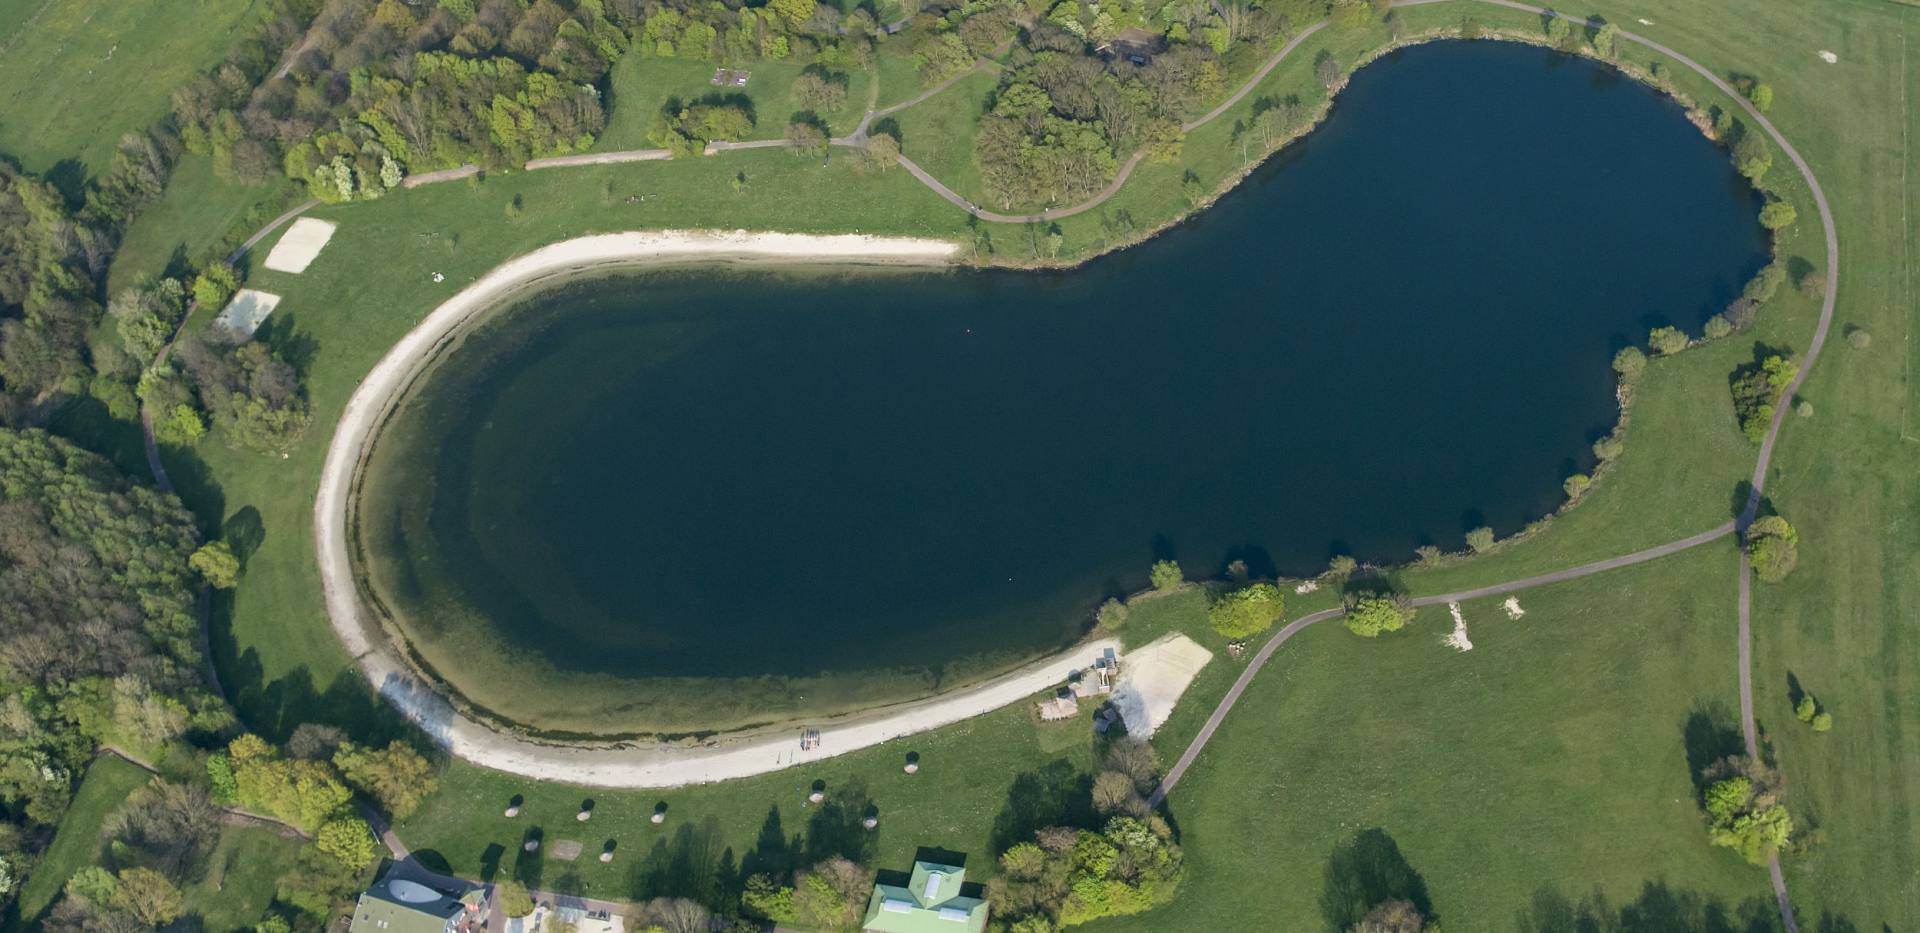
(1846, 640)
(75, 75)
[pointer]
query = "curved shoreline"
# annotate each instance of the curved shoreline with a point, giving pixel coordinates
(621, 765)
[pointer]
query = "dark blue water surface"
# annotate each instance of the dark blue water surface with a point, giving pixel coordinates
(1391, 334)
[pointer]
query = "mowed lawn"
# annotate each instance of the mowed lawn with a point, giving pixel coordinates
(76, 74)
(198, 213)
(1551, 760)
(77, 843)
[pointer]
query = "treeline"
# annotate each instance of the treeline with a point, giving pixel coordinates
(98, 632)
(53, 256)
(1073, 103)
(379, 88)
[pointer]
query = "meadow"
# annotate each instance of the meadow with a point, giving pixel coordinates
(75, 75)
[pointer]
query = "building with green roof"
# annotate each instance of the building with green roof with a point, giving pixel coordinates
(932, 901)
(410, 899)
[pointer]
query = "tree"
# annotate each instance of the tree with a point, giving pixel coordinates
(396, 776)
(149, 896)
(1606, 40)
(1166, 576)
(1805, 709)
(349, 839)
(1778, 215)
(1576, 484)
(513, 896)
(1751, 157)
(795, 12)
(883, 151)
(1112, 614)
(1247, 611)
(171, 827)
(1773, 548)
(1822, 721)
(1558, 29)
(1629, 363)
(215, 285)
(1667, 341)
(806, 139)
(1762, 96)
(1114, 793)
(1718, 327)
(1480, 539)
(1370, 615)
(303, 793)
(819, 92)
(832, 894)
(1392, 916)
(1341, 567)
(1758, 391)
(216, 564)
(1326, 68)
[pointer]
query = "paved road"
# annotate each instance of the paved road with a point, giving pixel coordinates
(1260, 658)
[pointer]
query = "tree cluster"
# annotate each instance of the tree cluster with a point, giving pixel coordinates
(1371, 614)
(245, 389)
(1247, 611)
(1773, 547)
(1073, 876)
(1758, 391)
(1744, 811)
(379, 88)
(97, 624)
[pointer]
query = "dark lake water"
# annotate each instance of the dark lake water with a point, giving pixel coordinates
(1391, 334)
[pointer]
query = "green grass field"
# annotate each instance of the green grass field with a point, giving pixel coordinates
(77, 844)
(1549, 762)
(75, 75)
(198, 214)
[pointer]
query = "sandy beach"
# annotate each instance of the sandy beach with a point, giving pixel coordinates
(622, 765)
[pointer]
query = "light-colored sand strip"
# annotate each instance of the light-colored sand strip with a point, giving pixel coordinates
(300, 245)
(600, 158)
(630, 765)
(1152, 680)
(246, 312)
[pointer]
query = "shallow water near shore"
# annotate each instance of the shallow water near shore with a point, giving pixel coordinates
(1394, 332)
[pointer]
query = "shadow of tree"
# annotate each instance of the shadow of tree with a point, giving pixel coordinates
(773, 853)
(1709, 735)
(684, 866)
(1363, 873)
(1658, 909)
(1058, 794)
(835, 828)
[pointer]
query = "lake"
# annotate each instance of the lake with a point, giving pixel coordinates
(855, 487)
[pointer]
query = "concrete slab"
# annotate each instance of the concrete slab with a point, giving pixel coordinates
(300, 245)
(245, 313)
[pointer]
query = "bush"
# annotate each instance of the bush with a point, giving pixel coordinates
(1166, 576)
(1629, 363)
(1751, 157)
(1778, 215)
(1762, 96)
(1822, 721)
(1666, 341)
(1774, 548)
(1805, 709)
(514, 899)
(349, 840)
(1576, 484)
(1341, 567)
(216, 564)
(1858, 338)
(1247, 611)
(1718, 326)
(1112, 614)
(1370, 615)
(1480, 539)
(1609, 447)
(213, 287)
(1761, 288)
